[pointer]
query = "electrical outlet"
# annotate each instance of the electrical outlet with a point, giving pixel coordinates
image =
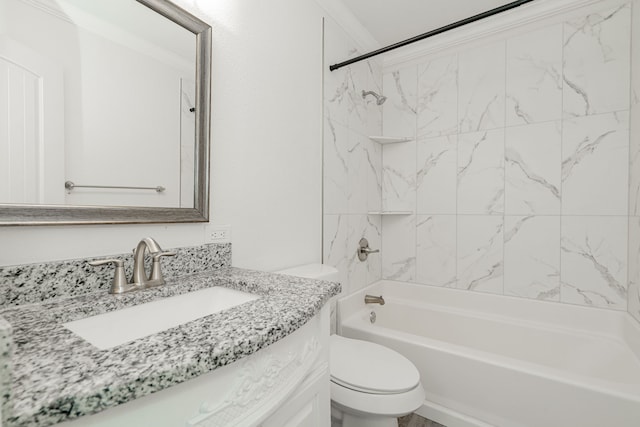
(217, 233)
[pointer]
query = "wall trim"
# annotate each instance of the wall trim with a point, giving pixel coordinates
(49, 7)
(528, 14)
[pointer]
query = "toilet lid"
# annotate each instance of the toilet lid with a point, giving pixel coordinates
(370, 367)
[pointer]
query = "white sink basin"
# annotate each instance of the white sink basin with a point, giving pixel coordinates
(118, 327)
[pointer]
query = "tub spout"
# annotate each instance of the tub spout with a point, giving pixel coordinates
(372, 299)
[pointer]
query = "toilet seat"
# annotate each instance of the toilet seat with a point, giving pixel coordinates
(367, 379)
(370, 368)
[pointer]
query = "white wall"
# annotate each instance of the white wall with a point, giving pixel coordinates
(266, 146)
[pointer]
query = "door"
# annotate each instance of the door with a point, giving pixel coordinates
(31, 126)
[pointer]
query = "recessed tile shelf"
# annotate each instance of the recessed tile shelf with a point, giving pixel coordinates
(389, 139)
(390, 213)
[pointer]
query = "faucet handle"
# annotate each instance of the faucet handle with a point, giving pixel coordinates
(156, 271)
(119, 283)
(114, 261)
(164, 253)
(364, 250)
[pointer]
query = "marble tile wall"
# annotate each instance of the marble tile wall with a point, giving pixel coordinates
(518, 174)
(352, 175)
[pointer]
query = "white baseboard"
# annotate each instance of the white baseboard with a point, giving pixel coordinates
(448, 417)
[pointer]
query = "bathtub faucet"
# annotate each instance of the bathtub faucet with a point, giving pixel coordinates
(372, 299)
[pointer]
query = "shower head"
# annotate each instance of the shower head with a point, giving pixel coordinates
(379, 98)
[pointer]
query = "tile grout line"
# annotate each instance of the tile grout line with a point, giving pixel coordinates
(632, 7)
(415, 177)
(457, 275)
(562, 121)
(504, 168)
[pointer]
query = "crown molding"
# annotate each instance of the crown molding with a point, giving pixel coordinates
(518, 19)
(336, 10)
(70, 13)
(49, 7)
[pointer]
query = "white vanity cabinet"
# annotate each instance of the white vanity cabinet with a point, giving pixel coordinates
(283, 385)
(308, 406)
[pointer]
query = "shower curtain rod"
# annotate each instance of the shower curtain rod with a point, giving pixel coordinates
(431, 33)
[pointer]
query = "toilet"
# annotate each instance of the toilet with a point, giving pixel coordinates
(371, 385)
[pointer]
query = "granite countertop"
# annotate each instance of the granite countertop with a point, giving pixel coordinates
(57, 376)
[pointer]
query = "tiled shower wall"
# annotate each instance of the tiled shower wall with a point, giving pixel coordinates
(352, 162)
(517, 176)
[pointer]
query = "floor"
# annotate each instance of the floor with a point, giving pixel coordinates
(414, 420)
(411, 420)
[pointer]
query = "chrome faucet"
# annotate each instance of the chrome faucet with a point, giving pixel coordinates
(140, 277)
(372, 299)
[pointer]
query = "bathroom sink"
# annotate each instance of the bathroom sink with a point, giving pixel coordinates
(121, 326)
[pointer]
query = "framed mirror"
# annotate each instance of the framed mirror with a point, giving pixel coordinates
(104, 112)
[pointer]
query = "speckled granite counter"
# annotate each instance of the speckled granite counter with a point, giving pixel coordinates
(56, 375)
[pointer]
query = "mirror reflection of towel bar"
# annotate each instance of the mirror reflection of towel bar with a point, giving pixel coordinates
(69, 185)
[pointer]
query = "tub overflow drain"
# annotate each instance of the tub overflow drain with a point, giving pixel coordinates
(372, 317)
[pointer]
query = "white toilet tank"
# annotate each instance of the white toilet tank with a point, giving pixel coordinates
(313, 271)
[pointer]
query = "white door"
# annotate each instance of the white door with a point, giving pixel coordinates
(31, 126)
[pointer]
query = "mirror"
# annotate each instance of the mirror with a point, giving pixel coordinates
(104, 112)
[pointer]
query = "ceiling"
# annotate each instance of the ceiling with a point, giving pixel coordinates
(391, 21)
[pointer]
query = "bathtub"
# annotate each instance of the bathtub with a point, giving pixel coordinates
(488, 360)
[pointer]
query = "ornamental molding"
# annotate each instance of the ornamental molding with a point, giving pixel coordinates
(263, 382)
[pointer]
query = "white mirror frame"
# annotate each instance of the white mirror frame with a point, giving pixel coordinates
(15, 214)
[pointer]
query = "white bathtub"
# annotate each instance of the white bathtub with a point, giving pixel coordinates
(489, 360)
